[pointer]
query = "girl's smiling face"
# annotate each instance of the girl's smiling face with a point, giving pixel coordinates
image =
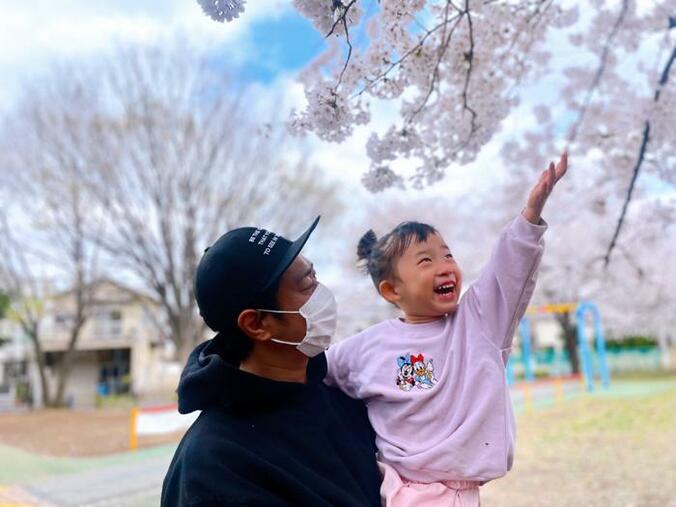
(427, 281)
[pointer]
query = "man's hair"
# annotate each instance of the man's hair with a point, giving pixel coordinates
(231, 342)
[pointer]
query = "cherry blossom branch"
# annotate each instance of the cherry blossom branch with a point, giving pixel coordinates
(538, 15)
(442, 51)
(372, 82)
(340, 19)
(599, 71)
(349, 54)
(532, 22)
(417, 21)
(641, 155)
(470, 61)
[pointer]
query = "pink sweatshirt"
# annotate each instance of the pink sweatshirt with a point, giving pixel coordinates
(436, 392)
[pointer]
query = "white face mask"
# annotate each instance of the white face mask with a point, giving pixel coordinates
(320, 314)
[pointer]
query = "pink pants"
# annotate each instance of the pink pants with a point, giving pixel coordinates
(396, 492)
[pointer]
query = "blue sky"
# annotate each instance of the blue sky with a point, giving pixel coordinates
(274, 46)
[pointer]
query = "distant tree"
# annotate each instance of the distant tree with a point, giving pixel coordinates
(165, 156)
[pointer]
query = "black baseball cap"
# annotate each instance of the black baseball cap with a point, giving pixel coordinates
(238, 268)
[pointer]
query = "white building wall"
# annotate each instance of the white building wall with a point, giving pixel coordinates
(82, 381)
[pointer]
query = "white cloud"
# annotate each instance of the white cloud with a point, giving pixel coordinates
(32, 34)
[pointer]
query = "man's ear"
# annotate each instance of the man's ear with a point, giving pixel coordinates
(388, 291)
(252, 324)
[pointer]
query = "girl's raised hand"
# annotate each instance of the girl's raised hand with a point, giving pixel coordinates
(538, 196)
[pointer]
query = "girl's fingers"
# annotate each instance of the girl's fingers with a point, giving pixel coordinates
(562, 166)
(551, 177)
(546, 173)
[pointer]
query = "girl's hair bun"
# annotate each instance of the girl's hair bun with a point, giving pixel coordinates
(366, 244)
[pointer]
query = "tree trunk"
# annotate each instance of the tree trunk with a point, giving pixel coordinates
(40, 360)
(570, 340)
(63, 372)
(67, 360)
(185, 335)
(183, 352)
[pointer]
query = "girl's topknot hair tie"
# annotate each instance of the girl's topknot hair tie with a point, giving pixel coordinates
(366, 244)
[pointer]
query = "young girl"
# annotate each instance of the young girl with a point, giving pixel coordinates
(433, 380)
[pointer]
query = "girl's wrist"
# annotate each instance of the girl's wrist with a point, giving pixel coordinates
(531, 216)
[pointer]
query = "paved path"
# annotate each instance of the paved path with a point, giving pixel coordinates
(131, 480)
(121, 483)
(14, 496)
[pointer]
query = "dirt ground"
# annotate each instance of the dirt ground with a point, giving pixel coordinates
(74, 433)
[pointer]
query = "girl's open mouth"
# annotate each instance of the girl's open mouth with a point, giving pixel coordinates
(445, 289)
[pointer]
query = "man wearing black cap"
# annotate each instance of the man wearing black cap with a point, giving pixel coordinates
(270, 432)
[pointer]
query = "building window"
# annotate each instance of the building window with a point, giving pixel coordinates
(108, 324)
(63, 321)
(14, 371)
(114, 368)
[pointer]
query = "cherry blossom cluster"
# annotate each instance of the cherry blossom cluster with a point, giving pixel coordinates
(455, 69)
(329, 113)
(330, 17)
(617, 102)
(222, 10)
(451, 69)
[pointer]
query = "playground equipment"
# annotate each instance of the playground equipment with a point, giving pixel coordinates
(583, 343)
(587, 361)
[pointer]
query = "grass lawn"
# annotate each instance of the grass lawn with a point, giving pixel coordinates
(610, 449)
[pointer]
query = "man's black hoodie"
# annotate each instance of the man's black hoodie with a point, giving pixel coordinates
(260, 442)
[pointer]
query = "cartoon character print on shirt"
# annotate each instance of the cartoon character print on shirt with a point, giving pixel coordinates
(405, 379)
(414, 372)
